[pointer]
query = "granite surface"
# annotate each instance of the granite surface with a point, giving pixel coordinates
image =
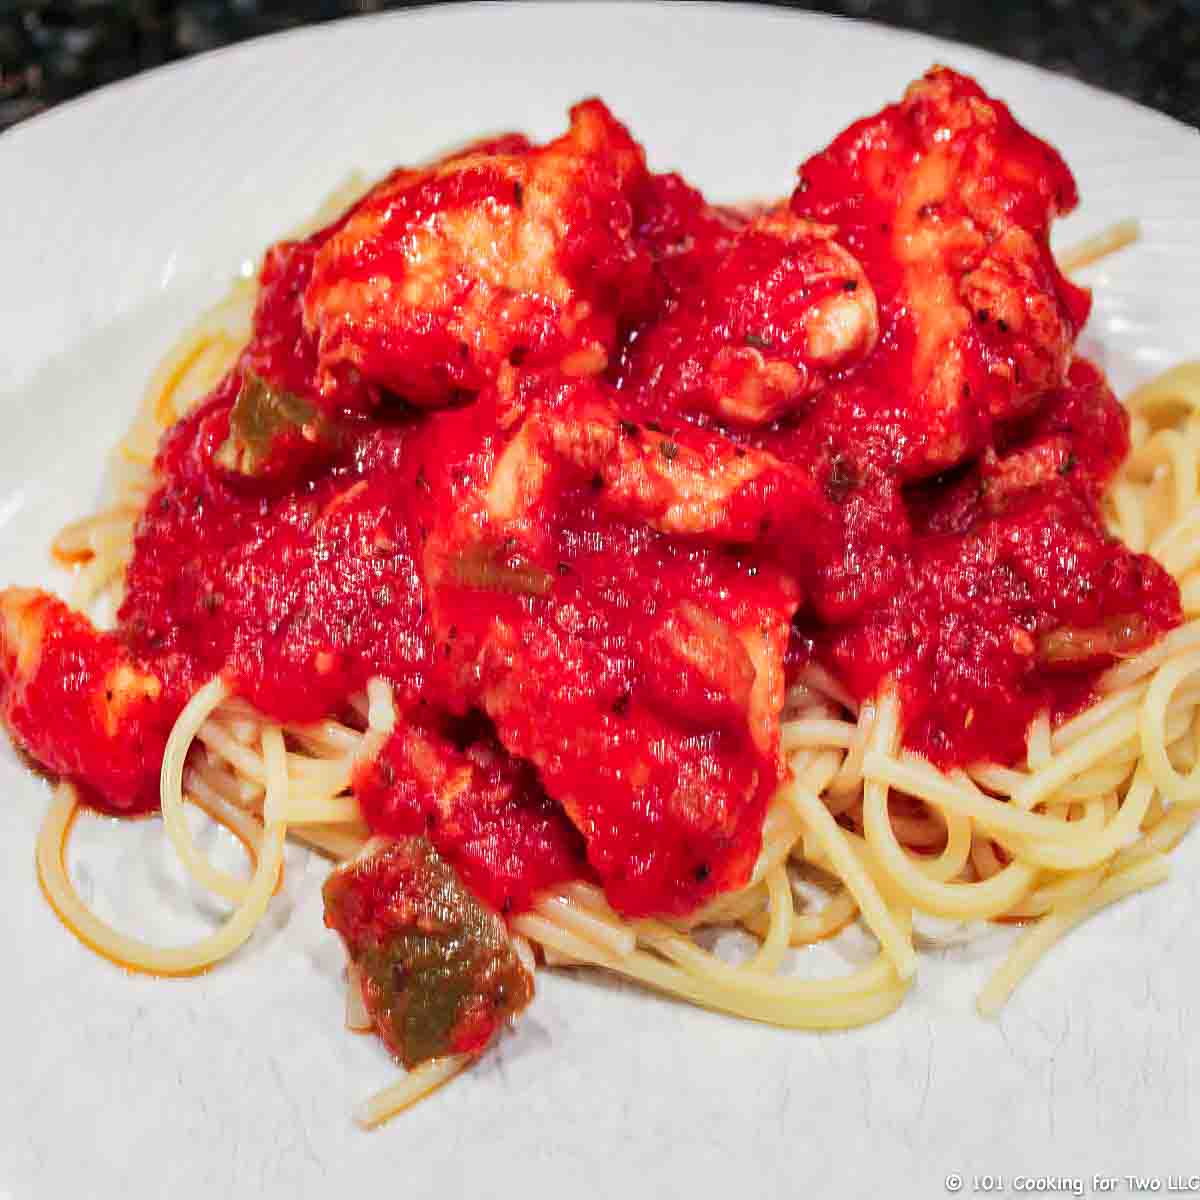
(51, 50)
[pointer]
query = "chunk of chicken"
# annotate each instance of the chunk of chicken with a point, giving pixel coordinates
(700, 668)
(79, 704)
(685, 482)
(1077, 438)
(440, 275)
(780, 307)
(652, 718)
(589, 601)
(947, 202)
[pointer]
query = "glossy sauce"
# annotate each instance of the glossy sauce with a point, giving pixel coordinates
(588, 677)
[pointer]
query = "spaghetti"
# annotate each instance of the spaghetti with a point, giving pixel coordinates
(1061, 867)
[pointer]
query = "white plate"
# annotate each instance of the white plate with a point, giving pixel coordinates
(123, 215)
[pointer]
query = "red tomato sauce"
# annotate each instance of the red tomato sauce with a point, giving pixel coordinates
(589, 663)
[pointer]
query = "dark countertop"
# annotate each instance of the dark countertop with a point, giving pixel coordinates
(51, 50)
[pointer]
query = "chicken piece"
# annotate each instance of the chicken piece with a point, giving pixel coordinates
(439, 972)
(485, 812)
(80, 704)
(681, 481)
(1080, 431)
(947, 202)
(639, 670)
(778, 308)
(1079, 436)
(701, 670)
(646, 690)
(440, 275)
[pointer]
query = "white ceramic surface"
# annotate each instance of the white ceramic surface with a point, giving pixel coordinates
(122, 215)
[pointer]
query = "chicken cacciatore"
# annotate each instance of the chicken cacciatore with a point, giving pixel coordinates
(589, 470)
